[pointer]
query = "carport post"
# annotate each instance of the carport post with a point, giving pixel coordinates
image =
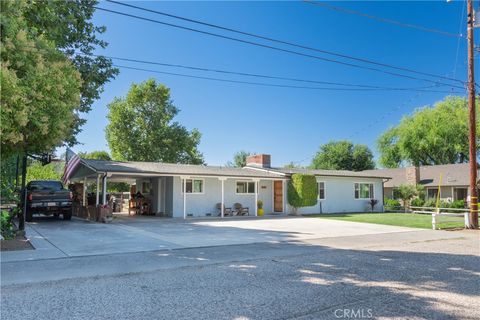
(104, 190)
(256, 197)
(97, 200)
(84, 191)
(222, 205)
(184, 197)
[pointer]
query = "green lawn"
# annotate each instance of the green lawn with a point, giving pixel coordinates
(396, 219)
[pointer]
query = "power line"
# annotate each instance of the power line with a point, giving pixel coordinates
(277, 41)
(259, 75)
(384, 20)
(273, 84)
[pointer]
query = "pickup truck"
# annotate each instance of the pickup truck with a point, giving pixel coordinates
(49, 198)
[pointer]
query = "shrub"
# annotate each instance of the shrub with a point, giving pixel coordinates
(432, 203)
(373, 203)
(260, 204)
(302, 190)
(458, 204)
(392, 204)
(6, 225)
(417, 202)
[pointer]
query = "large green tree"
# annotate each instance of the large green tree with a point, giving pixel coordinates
(239, 159)
(141, 127)
(343, 155)
(40, 87)
(432, 135)
(68, 26)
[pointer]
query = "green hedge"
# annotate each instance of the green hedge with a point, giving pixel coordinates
(302, 190)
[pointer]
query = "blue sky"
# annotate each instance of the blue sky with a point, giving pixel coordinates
(287, 123)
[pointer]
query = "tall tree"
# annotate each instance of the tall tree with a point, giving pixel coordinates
(343, 155)
(239, 159)
(430, 136)
(141, 127)
(68, 26)
(40, 87)
(96, 155)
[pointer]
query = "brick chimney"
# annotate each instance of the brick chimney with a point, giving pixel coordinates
(259, 160)
(412, 175)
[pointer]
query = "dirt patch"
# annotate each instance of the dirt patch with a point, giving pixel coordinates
(19, 243)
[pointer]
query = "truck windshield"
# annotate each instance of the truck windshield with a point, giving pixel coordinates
(45, 185)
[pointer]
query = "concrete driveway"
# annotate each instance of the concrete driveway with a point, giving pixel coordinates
(57, 238)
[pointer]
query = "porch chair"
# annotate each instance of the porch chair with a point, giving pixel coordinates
(239, 210)
(226, 211)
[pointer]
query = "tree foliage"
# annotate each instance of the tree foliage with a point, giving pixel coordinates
(430, 136)
(406, 192)
(40, 88)
(343, 155)
(141, 127)
(239, 159)
(302, 190)
(96, 155)
(68, 26)
(51, 171)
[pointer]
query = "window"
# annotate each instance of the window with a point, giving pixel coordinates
(432, 193)
(194, 185)
(244, 187)
(146, 187)
(321, 190)
(363, 190)
(460, 193)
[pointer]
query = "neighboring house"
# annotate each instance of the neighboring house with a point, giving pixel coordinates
(207, 186)
(450, 180)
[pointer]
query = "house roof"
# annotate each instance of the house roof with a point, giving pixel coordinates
(136, 168)
(328, 173)
(452, 175)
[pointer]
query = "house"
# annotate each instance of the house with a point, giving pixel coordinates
(208, 186)
(450, 180)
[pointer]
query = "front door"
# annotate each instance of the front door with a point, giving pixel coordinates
(278, 196)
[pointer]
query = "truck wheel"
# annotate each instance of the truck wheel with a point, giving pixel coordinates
(29, 216)
(56, 214)
(67, 216)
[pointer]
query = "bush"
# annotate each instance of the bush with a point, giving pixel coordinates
(302, 190)
(6, 225)
(417, 202)
(431, 203)
(458, 204)
(392, 204)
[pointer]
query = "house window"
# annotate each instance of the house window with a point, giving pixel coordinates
(363, 190)
(193, 185)
(146, 187)
(432, 193)
(321, 190)
(460, 193)
(245, 187)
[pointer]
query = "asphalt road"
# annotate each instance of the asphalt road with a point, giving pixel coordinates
(410, 275)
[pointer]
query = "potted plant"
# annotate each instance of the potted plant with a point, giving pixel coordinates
(260, 208)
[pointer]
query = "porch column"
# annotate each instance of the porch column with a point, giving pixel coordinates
(104, 190)
(222, 205)
(184, 197)
(284, 196)
(84, 191)
(97, 200)
(256, 197)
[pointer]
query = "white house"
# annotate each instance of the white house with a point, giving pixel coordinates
(210, 187)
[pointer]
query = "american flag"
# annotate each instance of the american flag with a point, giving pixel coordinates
(71, 162)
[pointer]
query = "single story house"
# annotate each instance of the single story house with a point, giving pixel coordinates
(209, 187)
(450, 180)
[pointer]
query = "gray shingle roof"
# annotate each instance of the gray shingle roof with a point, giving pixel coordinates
(133, 167)
(452, 175)
(331, 173)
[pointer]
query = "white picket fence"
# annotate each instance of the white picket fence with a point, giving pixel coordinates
(438, 213)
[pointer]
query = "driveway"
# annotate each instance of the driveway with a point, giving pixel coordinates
(58, 238)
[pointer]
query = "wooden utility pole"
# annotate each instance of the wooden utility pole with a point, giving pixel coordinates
(472, 119)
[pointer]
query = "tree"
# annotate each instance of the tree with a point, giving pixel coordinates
(67, 25)
(40, 88)
(95, 155)
(406, 192)
(141, 127)
(239, 159)
(432, 135)
(343, 155)
(51, 171)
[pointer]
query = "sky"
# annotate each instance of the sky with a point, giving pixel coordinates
(288, 123)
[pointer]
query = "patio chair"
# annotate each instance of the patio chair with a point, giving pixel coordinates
(240, 210)
(226, 211)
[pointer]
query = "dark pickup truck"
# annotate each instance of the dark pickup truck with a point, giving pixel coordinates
(48, 197)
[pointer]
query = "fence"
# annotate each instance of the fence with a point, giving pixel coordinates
(438, 213)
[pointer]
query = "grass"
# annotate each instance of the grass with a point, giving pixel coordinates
(411, 220)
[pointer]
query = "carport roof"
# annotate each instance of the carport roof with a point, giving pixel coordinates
(159, 168)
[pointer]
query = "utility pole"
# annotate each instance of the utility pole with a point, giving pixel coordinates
(472, 119)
